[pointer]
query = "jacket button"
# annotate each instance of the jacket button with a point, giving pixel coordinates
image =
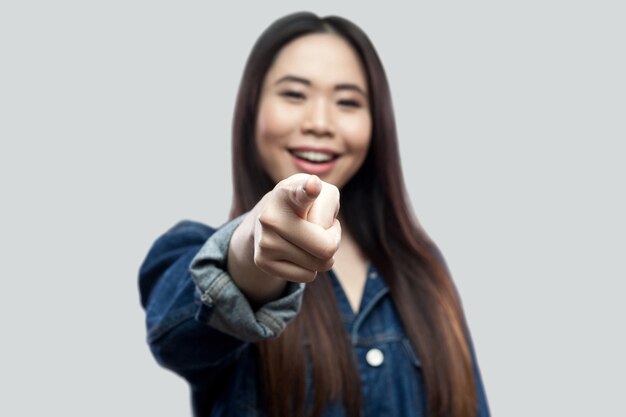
(375, 357)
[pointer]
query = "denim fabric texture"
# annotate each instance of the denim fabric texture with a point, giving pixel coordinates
(201, 327)
(225, 307)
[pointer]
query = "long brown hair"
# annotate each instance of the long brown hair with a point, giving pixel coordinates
(388, 235)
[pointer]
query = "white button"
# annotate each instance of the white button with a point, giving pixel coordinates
(375, 357)
(372, 275)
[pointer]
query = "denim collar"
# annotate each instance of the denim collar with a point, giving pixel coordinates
(375, 290)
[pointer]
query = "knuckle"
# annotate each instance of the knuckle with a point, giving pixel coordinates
(309, 276)
(261, 261)
(327, 250)
(268, 219)
(265, 244)
(328, 265)
(325, 266)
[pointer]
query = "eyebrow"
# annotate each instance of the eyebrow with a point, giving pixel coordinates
(338, 87)
(294, 79)
(352, 87)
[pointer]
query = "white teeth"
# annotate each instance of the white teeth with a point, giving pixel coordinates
(314, 156)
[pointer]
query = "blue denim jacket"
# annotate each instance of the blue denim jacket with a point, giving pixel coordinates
(201, 327)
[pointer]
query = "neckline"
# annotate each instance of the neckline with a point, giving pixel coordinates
(373, 285)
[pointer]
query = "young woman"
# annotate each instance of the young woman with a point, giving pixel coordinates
(296, 307)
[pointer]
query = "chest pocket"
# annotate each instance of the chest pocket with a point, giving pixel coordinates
(391, 377)
(390, 370)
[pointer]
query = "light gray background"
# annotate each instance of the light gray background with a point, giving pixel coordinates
(115, 124)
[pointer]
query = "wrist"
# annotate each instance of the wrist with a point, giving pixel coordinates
(257, 285)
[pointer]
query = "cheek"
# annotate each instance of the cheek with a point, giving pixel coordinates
(357, 131)
(274, 121)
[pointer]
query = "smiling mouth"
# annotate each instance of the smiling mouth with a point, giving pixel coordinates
(315, 157)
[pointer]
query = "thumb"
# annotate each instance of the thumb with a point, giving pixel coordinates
(303, 193)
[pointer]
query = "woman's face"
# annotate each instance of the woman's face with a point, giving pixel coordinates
(313, 112)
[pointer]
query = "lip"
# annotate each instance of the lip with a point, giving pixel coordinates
(314, 149)
(314, 168)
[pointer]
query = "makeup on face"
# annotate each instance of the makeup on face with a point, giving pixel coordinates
(313, 112)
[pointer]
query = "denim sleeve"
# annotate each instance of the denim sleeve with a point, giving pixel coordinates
(196, 330)
(224, 307)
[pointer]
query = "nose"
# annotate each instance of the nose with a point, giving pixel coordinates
(318, 119)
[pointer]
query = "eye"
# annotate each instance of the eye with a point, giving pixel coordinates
(349, 103)
(296, 95)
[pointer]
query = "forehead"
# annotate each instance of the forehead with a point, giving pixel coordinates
(321, 58)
